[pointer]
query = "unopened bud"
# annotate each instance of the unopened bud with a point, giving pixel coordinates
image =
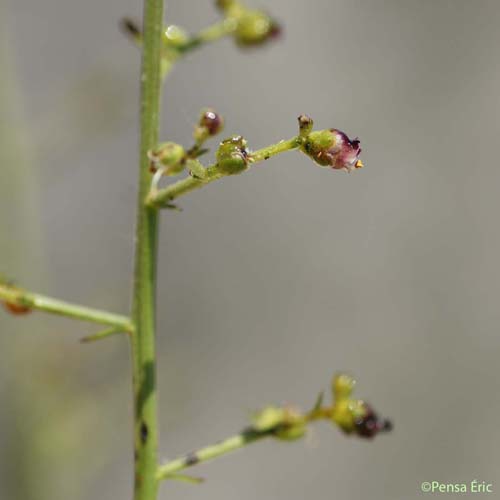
(232, 155)
(174, 36)
(169, 155)
(285, 424)
(17, 308)
(255, 28)
(305, 125)
(210, 124)
(342, 386)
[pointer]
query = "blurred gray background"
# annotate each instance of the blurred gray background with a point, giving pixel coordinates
(269, 282)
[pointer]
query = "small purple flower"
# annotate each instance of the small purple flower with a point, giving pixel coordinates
(370, 424)
(332, 148)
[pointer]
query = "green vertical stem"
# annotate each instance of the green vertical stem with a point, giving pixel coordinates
(144, 299)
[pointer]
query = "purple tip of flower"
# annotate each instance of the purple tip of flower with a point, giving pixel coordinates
(276, 31)
(371, 424)
(344, 154)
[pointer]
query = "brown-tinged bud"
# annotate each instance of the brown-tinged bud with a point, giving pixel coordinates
(232, 155)
(16, 308)
(332, 148)
(210, 124)
(305, 125)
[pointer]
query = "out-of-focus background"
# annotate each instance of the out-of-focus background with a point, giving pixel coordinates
(271, 281)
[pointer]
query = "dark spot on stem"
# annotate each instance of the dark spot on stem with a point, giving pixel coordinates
(146, 386)
(192, 459)
(266, 157)
(144, 432)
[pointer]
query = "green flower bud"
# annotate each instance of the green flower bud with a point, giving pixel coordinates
(342, 386)
(268, 418)
(255, 28)
(174, 36)
(232, 155)
(285, 423)
(169, 155)
(346, 412)
(291, 432)
(354, 415)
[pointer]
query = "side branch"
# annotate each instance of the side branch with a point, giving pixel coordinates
(353, 416)
(248, 436)
(162, 197)
(23, 298)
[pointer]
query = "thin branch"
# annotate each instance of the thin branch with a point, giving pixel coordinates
(102, 334)
(161, 197)
(31, 300)
(244, 438)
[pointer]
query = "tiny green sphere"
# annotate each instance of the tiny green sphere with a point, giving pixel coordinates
(232, 155)
(255, 27)
(174, 36)
(167, 154)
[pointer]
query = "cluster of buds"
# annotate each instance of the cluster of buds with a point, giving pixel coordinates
(171, 158)
(353, 416)
(252, 27)
(329, 148)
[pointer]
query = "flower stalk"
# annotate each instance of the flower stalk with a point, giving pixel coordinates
(352, 416)
(144, 291)
(24, 299)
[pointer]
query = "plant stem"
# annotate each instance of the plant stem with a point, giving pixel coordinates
(170, 469)
(47, 304)
(160, 197)
(144, 298)
(210, 34)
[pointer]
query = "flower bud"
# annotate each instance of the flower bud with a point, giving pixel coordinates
(232, 155)
(342, 386)
(346, 412)
(169, 155)
(17, 308)
(332, 148)
(286, 424)
(369, 425)
(210, 124)
(174, 36)
(305, 125)
(255, 27)
(354, 416)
